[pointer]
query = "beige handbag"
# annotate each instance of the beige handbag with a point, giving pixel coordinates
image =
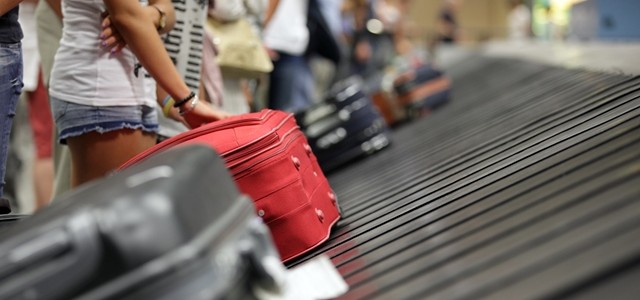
(240, 51)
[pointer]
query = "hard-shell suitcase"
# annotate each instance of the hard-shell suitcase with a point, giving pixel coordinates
(134, 231)
(344, 127)
(422, 89)
(272, 162)
(9, 220)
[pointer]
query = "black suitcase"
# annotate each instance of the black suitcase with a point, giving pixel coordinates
(344, 127)
(160, 229)
(422, 89)
(412, 79)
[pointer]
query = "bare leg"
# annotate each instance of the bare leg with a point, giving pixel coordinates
(42, 128)
(95, 155)
(43, 181)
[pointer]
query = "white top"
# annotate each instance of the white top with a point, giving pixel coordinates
(83, 72)
(287, 31)
(30, 55)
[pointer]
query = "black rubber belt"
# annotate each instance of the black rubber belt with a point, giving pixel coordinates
(526, 185)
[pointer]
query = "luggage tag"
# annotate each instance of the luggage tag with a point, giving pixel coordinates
(315, 279)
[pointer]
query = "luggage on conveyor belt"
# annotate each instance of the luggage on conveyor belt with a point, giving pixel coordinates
(344, 127)
(524, 187)
(386, 102)
(271, 162)
(422, 89)
(172, 227)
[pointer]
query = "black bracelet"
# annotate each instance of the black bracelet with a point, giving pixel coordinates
(183, 101)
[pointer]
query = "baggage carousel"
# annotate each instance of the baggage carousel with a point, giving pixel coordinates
(526, 185)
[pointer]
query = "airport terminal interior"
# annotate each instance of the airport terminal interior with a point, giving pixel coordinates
(472, 149)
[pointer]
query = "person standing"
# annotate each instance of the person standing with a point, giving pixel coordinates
(519, 20)
(286, 37)
(448, 31)
(97, 92)
(39, 113)
(49, 31)
(11, 68)
(235, 90)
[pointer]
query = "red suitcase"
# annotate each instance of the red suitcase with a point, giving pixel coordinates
(270, 160)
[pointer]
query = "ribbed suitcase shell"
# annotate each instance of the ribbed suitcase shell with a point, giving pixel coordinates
(140, 221)
(271, 161)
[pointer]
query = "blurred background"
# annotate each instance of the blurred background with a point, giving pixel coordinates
(601, 35)
(550, 20)
(380, 38)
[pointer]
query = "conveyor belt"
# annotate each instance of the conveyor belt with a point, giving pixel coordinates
(527, 185)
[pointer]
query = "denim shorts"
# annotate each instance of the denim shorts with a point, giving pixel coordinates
(74, 119)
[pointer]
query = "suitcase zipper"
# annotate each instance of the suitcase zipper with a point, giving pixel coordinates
(211, 128)
(235, 157)
(181, 138)
(290, 136)
(262, 142)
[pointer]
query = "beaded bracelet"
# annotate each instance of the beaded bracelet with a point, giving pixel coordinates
(183, 101)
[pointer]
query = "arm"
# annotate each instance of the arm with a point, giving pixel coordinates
(7, 5)
(137, 30)
(56, 5)
(167, 8)
(113, 40)
(271, 10)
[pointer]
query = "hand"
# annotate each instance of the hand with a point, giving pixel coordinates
(204, 113)
(174, 114)
(272, 53)
(110, 38)
(362, 52)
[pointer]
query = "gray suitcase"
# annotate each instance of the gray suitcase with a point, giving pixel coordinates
(173, 226)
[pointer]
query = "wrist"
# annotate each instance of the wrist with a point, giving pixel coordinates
(189, 106)
(182, 101)
(159, 19)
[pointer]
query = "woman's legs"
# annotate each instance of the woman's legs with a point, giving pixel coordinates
(10, 89)
(42, 130)
(94, 155)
